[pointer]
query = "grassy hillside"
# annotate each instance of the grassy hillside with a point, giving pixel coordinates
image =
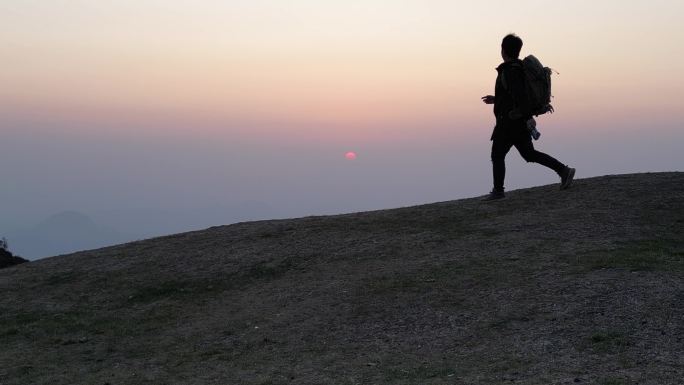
(548, 287)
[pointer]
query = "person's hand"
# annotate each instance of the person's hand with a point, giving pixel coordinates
(489, 99)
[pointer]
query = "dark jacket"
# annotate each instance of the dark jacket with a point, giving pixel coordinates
(511, 104)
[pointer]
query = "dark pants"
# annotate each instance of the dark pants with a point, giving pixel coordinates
(523, 143)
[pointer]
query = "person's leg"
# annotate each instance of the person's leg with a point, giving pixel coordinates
(500, 148)
(527, 151)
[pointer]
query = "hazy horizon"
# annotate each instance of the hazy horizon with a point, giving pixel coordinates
(241, 109)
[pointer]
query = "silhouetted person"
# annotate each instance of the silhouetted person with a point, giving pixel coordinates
(512, 112)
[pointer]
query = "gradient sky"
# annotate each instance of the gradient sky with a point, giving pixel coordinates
(136, 104)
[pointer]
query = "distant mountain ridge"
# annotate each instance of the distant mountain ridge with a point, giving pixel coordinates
(71, 231)
(547, 287)
(64, 232)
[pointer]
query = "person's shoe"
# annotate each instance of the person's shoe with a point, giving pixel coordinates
(567, 177)
(494, 196)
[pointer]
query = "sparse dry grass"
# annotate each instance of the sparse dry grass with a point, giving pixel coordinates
(547, 287)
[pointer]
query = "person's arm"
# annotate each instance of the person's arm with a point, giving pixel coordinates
(516, 86)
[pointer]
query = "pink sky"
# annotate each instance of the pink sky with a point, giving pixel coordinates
(356, 67)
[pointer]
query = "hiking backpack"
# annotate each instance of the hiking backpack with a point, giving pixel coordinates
(538, 84)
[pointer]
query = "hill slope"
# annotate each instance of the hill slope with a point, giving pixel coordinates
(8, 259)
(547, 287)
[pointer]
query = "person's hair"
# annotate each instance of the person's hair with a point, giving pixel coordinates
(511, 45)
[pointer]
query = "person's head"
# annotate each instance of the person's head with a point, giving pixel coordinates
(511, 46)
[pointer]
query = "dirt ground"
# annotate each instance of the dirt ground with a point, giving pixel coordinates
(583, 286)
